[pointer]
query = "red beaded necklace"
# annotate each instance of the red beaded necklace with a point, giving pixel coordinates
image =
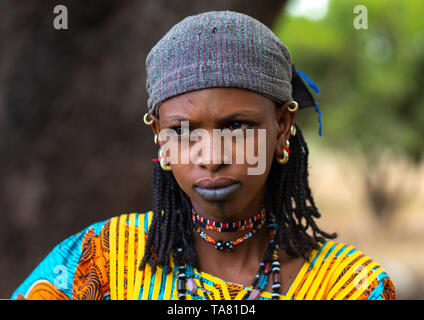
(241, 225)
(252, 225)
(228, 245)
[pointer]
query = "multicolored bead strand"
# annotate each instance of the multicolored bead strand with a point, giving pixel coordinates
(202, 287)
(262, 276)
(227, 245)
(276, 285)
(181, 282)
(181, 278)
(269, 265)
(241, 225)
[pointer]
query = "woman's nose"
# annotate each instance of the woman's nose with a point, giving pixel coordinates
(211, 153)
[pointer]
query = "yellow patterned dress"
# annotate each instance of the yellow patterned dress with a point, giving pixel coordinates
(101, 262)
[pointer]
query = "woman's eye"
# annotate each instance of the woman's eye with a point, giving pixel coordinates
(181, 130)
(238, 125)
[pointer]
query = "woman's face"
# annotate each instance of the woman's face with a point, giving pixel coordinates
(218, 183)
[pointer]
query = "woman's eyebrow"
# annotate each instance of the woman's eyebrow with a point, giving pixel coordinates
(179, 118)
(175, 118)
(239, 114)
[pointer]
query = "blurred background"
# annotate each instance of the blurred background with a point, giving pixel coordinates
(74, 149)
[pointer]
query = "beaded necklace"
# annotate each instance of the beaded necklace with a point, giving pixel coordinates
(252, 224)
(269, 264)
(240, 225)
(227, 245)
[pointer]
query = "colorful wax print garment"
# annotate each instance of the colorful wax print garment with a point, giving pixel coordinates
(101, 262)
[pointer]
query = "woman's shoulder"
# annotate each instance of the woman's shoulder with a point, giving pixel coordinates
(119, 242)
(78, 267)
(342, 271)
(140, 220)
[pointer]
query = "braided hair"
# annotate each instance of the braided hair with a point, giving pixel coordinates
(288, 200)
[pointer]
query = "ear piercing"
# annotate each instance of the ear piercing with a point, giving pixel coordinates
(147, 121)
(286, 151)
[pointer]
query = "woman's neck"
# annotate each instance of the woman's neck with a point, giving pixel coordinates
(240, 264)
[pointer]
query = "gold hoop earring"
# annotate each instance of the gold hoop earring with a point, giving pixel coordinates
(162, 159)
(296, 106)
(147, 122)
(286, 152)
(293, 130)
(284, 159)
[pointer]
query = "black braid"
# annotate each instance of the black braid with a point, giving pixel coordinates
(288, 199)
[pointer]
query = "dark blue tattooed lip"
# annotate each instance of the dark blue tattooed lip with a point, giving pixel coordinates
(221, 193)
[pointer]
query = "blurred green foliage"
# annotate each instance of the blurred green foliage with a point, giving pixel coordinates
(371, 80)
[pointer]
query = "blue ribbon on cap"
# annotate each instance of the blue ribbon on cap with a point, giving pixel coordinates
(314, 87)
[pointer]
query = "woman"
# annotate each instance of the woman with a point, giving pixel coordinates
(220, 227)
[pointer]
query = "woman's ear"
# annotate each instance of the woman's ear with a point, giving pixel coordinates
(285, 120)
(155, 126)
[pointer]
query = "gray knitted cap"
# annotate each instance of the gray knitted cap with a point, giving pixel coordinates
(218, 49)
